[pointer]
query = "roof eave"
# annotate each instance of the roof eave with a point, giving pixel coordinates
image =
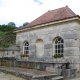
(49, 23)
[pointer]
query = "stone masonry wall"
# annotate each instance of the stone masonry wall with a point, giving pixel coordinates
(68, 31)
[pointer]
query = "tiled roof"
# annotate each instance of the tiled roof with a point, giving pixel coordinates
(52, 15)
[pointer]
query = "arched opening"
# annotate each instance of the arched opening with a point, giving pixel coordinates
(58, 46)
(25, 47)
(39, 48)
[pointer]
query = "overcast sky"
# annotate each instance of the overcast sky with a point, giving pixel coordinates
(20, 11)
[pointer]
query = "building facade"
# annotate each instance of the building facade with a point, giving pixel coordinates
(53, 37)
(49, 42)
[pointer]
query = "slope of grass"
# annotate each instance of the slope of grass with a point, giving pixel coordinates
(6, 34)
(2, 34)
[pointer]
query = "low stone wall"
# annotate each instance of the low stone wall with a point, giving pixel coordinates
(34, 65)
(44, 66)
(69, 73)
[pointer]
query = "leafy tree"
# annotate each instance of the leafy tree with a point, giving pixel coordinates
(20, 26)
(24, 24)
(11, 24)
(6, 28)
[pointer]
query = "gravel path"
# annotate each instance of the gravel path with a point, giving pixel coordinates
(4, 76)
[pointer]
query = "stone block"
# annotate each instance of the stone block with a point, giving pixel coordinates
(45, 37)
(71, 51)
(51, 69)
(71, 43)
(32, 39)
(32, 34)
(50, 38)
(50, 31)
(23, 36)
(32, 56)
(47, 45)
(17, 37)
(55, 35)
(32, 52)
(48, 52)
(32, 47)
(69, 35)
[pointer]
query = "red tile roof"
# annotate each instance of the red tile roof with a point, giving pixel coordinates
(53, 15)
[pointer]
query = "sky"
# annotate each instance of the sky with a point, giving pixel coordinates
(21, 11)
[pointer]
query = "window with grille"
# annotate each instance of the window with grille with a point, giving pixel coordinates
(59, 46)
(26, 48)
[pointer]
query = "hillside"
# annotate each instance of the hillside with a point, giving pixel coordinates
(6, 41)
(7, 35)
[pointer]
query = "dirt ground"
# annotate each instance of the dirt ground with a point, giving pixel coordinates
(4, 76)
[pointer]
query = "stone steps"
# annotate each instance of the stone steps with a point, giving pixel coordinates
(30, 74)
(58, 78)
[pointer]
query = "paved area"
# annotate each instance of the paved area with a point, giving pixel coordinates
(27, 73)
(30, 71)
(76, 79)
(4, 76)
(33, 72)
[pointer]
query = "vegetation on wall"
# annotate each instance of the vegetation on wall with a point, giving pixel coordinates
(58, 56)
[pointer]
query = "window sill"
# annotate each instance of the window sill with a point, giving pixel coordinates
(24, 58)
(59, 59)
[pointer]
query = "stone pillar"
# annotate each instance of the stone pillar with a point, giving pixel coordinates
(63, 71)
(59, 70)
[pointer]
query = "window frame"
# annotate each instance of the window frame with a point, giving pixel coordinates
(26, 48)
(59, 45)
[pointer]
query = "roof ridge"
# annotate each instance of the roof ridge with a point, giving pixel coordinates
(58, 8)
(71, 11)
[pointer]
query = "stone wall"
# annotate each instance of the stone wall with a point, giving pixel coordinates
(68, 31)
(1, 53)
(40, 66)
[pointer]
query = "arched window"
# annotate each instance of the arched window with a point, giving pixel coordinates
(59, 45)
(26, 48)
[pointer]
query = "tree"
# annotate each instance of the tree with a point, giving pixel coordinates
(24, 24)
(11, 24)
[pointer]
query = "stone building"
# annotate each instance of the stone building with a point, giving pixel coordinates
(54, 37)
(51, 40)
